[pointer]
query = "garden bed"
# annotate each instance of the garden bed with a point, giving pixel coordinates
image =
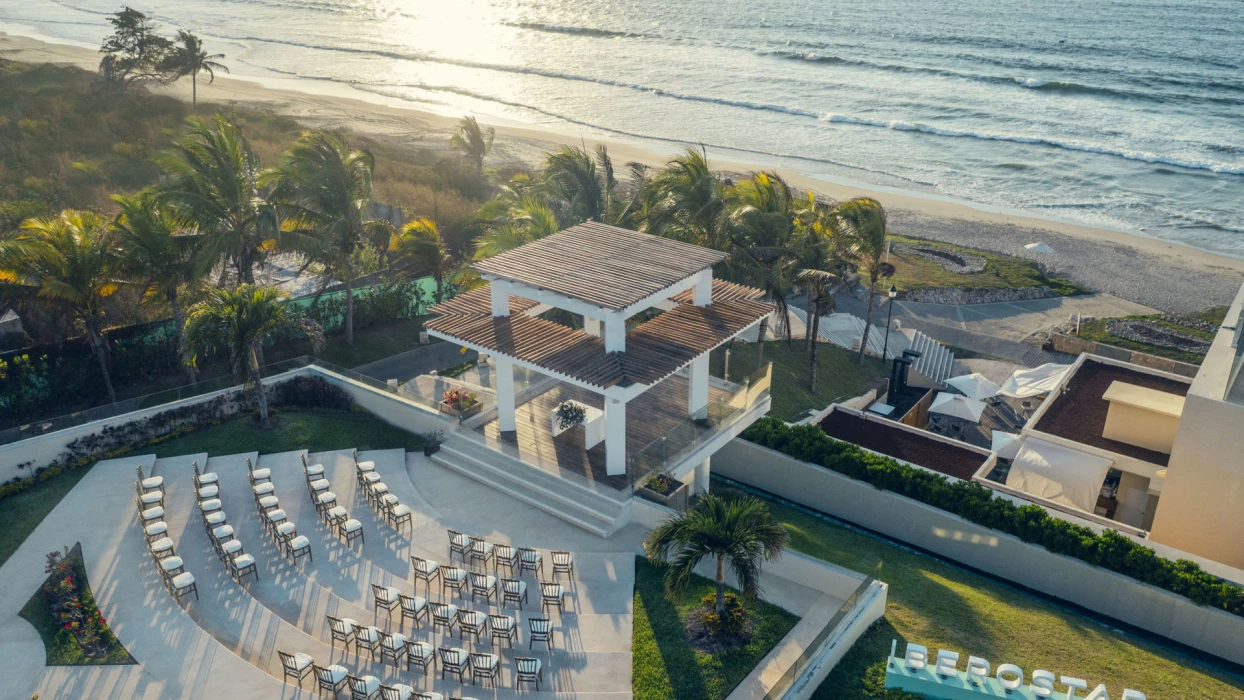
(666, 666)
(58, 630)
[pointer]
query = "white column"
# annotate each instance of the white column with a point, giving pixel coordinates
(704, 287)
(697, 399)
(615, 436)
(615, 333)
(591, 326)
(505, 393)
(702, 474)
(500, 290)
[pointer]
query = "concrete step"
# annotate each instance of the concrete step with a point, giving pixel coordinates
(572, 502)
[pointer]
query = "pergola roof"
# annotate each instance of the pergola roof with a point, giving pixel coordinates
(654, 350)
(604, 265)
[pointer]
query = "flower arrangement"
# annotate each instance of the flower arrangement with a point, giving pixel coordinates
(570, 414)
(661, 482)
(75, 612)
(460, 399)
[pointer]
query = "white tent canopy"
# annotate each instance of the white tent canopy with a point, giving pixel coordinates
(975, 386)
(1005, 444)
(1039, 248)
(1058, 474)
(1034, 382)
(957, 406)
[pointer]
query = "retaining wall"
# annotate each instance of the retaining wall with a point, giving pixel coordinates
(1072, 345)
(1105, 592)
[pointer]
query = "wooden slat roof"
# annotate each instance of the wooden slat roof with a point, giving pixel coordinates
(604, 265)
(722, 291)
(654, 350)
(478, 302)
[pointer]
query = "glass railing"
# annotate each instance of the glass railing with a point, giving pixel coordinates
(668, 450)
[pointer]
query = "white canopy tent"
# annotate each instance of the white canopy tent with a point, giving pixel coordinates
(1006, 445)
(1058, 474)
(957, 406)
(1041, 248)
(1034, 382)
(975, 385)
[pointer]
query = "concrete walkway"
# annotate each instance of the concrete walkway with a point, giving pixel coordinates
(405, 366)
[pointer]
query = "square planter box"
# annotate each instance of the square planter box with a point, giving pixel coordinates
(675, 500)
(452, 410)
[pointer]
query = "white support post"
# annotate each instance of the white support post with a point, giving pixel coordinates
(615, 333)
(505, 394)
(703, 473)
(697, 399)
(615, 436)
(500, 290)
(591, 326)
(703, 295)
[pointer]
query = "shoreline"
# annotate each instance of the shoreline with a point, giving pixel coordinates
(1139, 268)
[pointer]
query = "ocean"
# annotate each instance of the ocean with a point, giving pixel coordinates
(1126, 115)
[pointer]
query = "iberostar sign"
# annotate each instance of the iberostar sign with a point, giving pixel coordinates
(915, 672)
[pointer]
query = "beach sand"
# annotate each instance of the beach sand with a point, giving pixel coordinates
(1162, 275)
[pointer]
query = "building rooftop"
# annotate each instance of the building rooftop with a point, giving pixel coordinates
(654, 349)
(1079, 412)
(909, 445)
(604, 265)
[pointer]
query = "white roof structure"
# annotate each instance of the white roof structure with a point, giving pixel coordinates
(1006, 445)
(957, 406)
(1058, 474)
(1034, 382)
(974, 386)
(1039, 248)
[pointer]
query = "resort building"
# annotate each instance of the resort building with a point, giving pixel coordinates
(637, 369)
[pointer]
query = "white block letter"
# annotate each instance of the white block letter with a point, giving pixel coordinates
(916, 657)
(1010, 683)
(1072, 684)
(1042, 684)
(1133, 695)
(978, 668)
(947, 662)
(1099, 693)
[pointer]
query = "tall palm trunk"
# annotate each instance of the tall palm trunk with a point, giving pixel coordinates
(194, 92)
(760, 341)
(260, 395)
(809, 340)
(350, 312)
(868, 320)
(816, 327)
(440, 288)
(101, 354)
(179, 321)
(721, 585)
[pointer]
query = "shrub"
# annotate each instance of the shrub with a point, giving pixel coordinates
(978, 504)
(730, 622)
(312, 392)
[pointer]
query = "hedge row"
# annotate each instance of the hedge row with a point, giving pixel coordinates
(978, 504)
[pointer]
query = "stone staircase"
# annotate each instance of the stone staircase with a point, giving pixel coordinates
(936, 361)
(598, 510)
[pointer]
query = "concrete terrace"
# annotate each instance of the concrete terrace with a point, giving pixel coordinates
(224, 644)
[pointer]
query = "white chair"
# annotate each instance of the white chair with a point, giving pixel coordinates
(161, 548)
(268, 503)
(214, 520)
(325, 501)
(262, 489)
(295, 666)
(352, 530)
(208, 492)
(223, 533)
(398, 514)
(155, 530)
(364, 688)
(285, 532)
(366, 638)
(330, 678)
(241, 565)
(528, 670)
(312, 471)
(257, 475)
(183, 584)
(151, 515)
(318, 485)
(396, 692)
(385, 597)
(211, 505)
(228, 550)
(530, 560)
(298, 547)
(151, 483)
(481, 551)
(453, 577)
(423, 570)
(485, 585)
(273, 519)
(149, 499)
(413, 607)
(504, 628)
(204, 478)
(420, 653)
(342, 629)
(513, 590)
(485, 666)
(393, 646)
(552, 594)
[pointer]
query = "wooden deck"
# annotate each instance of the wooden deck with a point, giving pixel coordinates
(651, 415)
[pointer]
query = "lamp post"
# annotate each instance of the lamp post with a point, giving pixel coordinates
(891, 292)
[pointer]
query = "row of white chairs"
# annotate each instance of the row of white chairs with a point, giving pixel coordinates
(150, 504)
(376, 492)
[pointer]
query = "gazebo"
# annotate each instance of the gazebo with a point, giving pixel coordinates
(651, 310)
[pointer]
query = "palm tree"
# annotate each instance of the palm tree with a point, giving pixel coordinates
(418, 250)
(323, 189)
(157, 249)
(581, 187)
(473, 141)
(690, 202)
(72, 262)
(190, 59)
(740, 531)
(529, 220)
(863, 223)
(237, 321)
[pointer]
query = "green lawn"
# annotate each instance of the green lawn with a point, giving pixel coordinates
(1001, 271)
(838, 377)
(316, 431)
(1096, 330)
(665, 667)
(61, 646)
(938, 605)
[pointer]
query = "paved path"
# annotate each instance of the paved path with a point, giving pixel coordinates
(407, 365)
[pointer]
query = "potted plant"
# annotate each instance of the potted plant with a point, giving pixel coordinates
(432, 442)
(570, 414)
(460, 402)
(664, 489)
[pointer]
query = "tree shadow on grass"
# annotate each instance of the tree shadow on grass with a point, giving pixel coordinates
(681, 668)
(860, 675)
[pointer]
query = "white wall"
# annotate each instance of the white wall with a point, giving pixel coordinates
(1107, 593)
(391, 408)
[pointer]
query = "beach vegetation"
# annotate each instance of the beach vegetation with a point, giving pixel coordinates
(864, 222)
(473, 141)
(418, 251)
(189, 57)
(914, 271)
(135, 53)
